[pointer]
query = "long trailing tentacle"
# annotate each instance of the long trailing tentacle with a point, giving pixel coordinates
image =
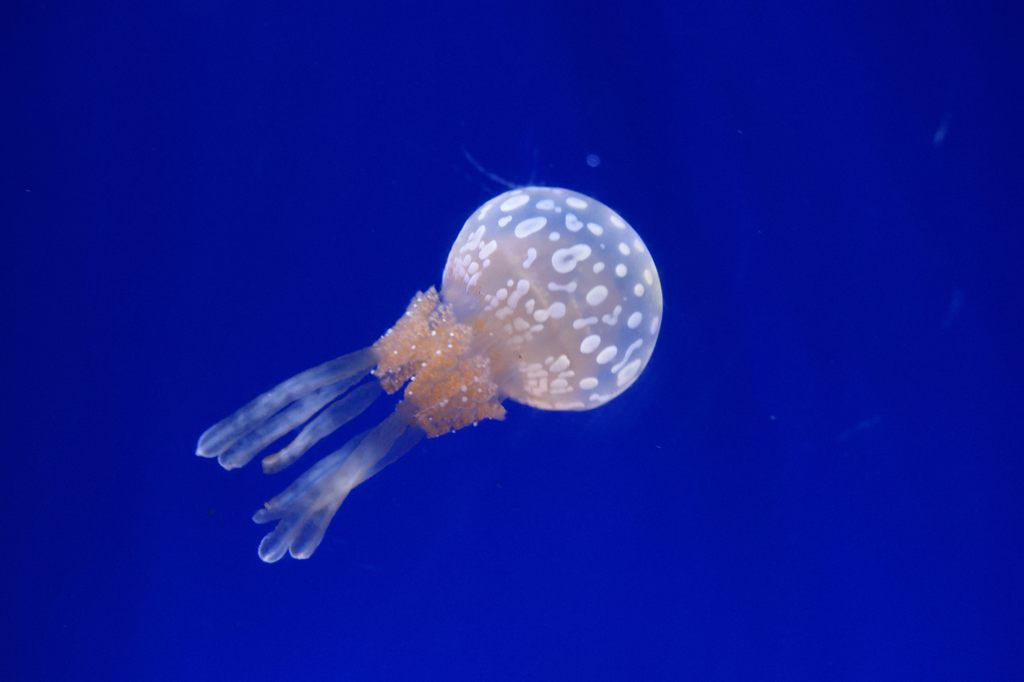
(305, 509)
(326, 423)
(343, 372)
(249, 445)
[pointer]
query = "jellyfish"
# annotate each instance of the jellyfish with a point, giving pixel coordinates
(548, 298)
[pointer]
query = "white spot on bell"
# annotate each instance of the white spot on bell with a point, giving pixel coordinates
(565, 260)
(561, 364)
(597, 295)
(583, 322)
(606, 355)
(628, 373)
(527, 227)
(531, 255)
(555, 286)
(487, 249)
(590, 344)
(512, 203)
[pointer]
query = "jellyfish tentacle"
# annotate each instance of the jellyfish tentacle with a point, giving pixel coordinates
(305, 509)
(347, 370)
(276, 507)
(249, 445)
(403, 444)
(327, 422)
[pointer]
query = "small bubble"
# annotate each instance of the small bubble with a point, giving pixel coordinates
(593, 160)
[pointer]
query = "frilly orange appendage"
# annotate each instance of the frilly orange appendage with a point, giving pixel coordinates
(448, 387)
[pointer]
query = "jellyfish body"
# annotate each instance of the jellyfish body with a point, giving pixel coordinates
(569, 288)
(549, 298)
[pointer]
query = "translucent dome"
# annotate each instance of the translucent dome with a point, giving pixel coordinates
(566, 287)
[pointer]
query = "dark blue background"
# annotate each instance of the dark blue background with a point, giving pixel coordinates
(817, 478)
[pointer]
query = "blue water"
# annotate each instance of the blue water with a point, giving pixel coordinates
(817, 478)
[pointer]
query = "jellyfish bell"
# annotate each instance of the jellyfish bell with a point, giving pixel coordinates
(568, 288)
(549, 298)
